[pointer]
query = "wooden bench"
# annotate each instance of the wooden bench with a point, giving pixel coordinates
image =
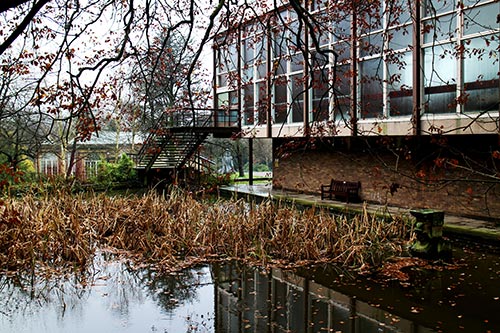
(339, 189)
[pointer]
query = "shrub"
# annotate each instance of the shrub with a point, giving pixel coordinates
(121, 171)
(260, 167)
(9, 176)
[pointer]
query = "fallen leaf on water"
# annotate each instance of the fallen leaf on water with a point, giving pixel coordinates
(415, 309)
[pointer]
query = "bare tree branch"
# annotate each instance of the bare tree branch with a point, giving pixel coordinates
(6, 5)
(23, 25)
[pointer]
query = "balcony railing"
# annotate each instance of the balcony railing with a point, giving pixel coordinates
(184, 130)
(199, 118)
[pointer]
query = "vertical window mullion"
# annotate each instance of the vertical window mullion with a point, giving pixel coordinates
(460, 60)
(385, 41)
(288, 70)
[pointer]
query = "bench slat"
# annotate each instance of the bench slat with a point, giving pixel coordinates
(341, 189)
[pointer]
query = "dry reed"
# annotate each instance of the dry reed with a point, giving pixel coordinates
(66, 230)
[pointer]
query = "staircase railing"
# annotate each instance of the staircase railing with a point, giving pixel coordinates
(187, 120)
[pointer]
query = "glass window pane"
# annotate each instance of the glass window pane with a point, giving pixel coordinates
(371, 17)
(435, 7)
(247, 73)
(294, 39)
(297, 87)
(371, 88)
(234, 106)
(261, 69)
(440, 84)
(322, 28)
(262, 102)
(468, 3)
(222, 80)
(297, 62)
(320, 60)
(342, 93)
(398, 12)
(481, 59)
(260, 47)
(342, 109)
(481, 73)
(248, 60)
(280, 66)
(222, 100)
(343, 51)
(318, 4)
(233, 99)
(342, 27)
(399, 83)
(400, 38)
(227, 105)
(342, 81)
(441, 28)
(232, 60)
(248, 102)
(321, 100)
(221, 67)
(371, 45)
(248, 51)
(280, 100)
(297, 98)
(482, 18)
(279, 43)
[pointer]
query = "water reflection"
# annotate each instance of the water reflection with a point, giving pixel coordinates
(463, 297)
(282, 301)
(112, 298)
(232, 297)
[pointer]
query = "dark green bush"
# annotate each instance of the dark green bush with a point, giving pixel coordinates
(119, 172)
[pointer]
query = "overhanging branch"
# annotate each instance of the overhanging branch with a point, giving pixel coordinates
(6, 5)
(24, 24)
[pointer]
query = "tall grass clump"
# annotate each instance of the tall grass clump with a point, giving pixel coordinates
(66, 229)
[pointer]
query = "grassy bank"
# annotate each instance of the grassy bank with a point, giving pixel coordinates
(65, 230)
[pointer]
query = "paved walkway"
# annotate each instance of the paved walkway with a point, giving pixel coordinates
(453, 225)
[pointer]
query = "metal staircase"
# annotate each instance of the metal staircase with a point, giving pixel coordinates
(178, 134)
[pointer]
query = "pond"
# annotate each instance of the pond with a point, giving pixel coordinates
(231, 297)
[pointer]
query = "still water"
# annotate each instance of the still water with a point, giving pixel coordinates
(229, 297)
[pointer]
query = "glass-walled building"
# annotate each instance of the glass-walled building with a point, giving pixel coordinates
(402, 96)
(389, 67)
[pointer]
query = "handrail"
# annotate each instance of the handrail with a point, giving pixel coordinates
(200, 117)
(186, 118)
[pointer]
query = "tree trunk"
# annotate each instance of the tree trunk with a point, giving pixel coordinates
(239, 159)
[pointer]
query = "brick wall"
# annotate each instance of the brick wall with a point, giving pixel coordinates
(399, 176)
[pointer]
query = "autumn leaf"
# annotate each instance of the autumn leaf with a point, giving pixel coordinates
(415, 309)
(439, 162)
(453, 162)
(469, 191)
(421, 174)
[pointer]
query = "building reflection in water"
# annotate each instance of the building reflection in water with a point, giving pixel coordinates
(247, 300)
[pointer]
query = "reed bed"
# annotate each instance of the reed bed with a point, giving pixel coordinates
(65, 230)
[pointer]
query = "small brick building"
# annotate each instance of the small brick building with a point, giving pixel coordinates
(105, 145)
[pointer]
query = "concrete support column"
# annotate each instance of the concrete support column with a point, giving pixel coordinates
(354, 73)
(269, 116)
(417, 68)
(250, 161)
